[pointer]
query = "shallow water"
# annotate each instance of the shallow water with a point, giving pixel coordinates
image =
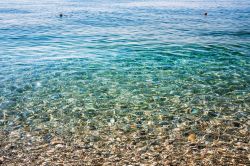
(122, 62)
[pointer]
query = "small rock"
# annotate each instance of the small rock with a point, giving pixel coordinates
(1, 160)
(194, 111)
(57, 142)
(112, 120)
(212, 114)
(93, 138)
(91, 127)
(142, 133)
(133, 126)
(59, 146)
(126, 128)
(236, 124)
(163, 123)
(192, 137)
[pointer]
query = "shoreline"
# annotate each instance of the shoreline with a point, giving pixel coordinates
(216, 142)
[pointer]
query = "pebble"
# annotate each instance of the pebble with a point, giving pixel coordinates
(212, 114)
(38, 84)
(93, 138)
(1, 160)
(192, 137)
(133, 126)
(59, 146)
(56, 142)
(194, 111)
(236, 124)
(163, 123)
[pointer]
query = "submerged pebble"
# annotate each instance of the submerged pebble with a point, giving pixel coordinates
(191, 137)
(195, 111)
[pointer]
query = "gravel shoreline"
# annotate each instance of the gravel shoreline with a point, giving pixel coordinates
(213, 142)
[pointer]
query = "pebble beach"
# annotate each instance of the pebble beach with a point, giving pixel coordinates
(133, 83)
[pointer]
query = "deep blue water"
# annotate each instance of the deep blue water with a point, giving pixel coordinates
(105, 61)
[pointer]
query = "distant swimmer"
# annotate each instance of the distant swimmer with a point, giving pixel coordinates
(205, 14)
(60, 15)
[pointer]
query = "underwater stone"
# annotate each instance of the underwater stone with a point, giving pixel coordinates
(20, 90)
(192, 137)
(142, 133)
(126, 128)
(194, 111)
(236, 124)
(47, 137)
(7, 105)
(112, 120)
(163, 123)
(1, 160)
(91, 113)
(93, 138)
(56, 96)
(212, 114)
(92, 127)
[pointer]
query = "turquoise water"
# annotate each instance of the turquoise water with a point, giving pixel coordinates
(122, 63)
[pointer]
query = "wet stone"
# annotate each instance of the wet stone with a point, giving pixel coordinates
(93, 138)
(205, 118)
(201, 146)
(139, 113)
(192, 137)
(236, 124)
(212, 114)
(56, 96)
(225, 138)
(92, 127)
(210, 137)
(163, 123)
(126, 128)
(194, 111)
(91, 113)
(142, 133)
(47, 137)
(1, 160)
(155, 142)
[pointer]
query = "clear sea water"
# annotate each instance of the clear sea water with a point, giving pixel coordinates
(114, 62)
